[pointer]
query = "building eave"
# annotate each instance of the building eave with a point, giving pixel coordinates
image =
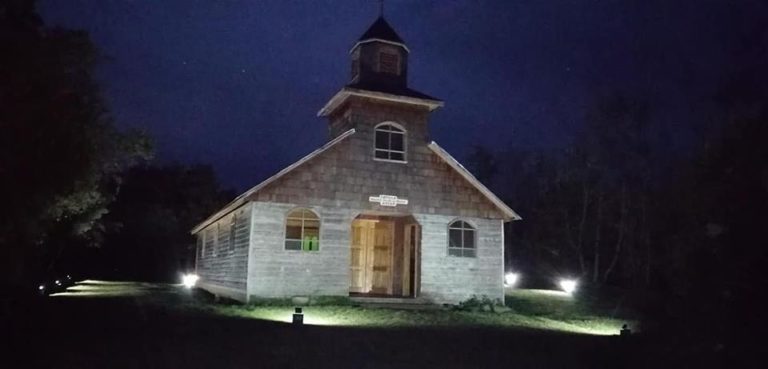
(379, 40)
(508, 213)
(346, 92)
(245, 197)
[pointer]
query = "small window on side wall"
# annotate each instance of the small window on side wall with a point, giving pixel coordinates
(302, 230)
(389, 142)
(461, 239)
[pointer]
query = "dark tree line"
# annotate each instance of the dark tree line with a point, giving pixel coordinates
(60, 155)
(148, 225)
(684, 234)
(73, 198)
(586, 206)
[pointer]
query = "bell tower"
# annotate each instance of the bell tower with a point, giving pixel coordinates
(380, 57)
(378, 87)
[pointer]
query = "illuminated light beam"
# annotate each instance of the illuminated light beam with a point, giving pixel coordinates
(510, 279)
(568, 285)
(189, 280)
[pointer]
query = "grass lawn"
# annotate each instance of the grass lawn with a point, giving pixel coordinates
(528, 309)
(97, 324)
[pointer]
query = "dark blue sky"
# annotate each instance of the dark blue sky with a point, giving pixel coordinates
(237, 83)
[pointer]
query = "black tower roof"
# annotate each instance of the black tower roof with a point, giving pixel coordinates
(381, 30)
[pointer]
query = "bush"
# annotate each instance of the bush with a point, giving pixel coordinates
(482, 303)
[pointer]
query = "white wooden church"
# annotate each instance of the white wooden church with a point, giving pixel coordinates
(378, 211)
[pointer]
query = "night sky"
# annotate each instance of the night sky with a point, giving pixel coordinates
(237, 84)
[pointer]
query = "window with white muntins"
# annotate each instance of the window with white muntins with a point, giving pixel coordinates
(389, 142)
(461, 239)
(302, 230)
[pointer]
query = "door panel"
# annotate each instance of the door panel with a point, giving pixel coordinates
(361, 239)
(382, 258)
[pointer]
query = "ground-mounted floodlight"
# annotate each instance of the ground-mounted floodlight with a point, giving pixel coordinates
(298, 316)
(568, 285)
(510, 279)
(189, 280)
(625, 331)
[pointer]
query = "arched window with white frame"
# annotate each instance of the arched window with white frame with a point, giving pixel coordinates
(302, 230)
(389, 142)
(462, 239)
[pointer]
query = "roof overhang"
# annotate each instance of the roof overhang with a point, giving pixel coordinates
(347, 92)
(245, 197)
(379, 40)
(508, 213)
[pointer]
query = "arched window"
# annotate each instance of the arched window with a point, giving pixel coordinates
(389, 142)
(461, 239)
(302, 230)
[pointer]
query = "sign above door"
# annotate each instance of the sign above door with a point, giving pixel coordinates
(388, 200)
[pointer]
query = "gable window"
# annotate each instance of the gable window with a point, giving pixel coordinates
(389, 63)
(389, 142)
(461, 239)
(302, 230)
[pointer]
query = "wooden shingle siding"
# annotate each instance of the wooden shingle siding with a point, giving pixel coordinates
(450, 278)
(346, 175)
(337, 185)
(277, 272)
(223, 267)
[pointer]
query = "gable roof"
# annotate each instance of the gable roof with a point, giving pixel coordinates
(243, 198)
(509, 214)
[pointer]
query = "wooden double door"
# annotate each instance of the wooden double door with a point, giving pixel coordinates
(382, 258)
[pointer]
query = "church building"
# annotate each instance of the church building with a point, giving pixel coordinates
(379, 211)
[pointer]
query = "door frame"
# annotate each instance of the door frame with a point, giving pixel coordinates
(409, 229)
(367, 256)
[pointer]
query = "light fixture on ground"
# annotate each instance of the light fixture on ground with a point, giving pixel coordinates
(625, 331)
(298, 316)
(189, 280)
(510, 279)
(568, 285)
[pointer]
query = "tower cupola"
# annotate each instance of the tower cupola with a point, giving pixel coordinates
(380, 57)
(379, 75)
